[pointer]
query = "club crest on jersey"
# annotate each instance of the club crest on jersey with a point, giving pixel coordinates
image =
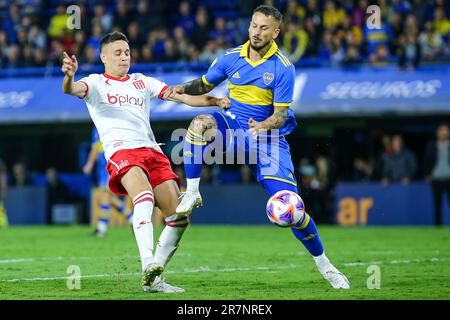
(139, 84)
(268, 78)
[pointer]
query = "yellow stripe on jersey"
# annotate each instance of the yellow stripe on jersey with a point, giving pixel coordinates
(283, 59)
(249, 94)
(206, 81)
(280, 179)
(281, 54)
(236, 50)
(281, 104)
(98, 146)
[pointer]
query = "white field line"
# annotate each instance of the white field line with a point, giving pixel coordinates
(209, 270)
(60, 258)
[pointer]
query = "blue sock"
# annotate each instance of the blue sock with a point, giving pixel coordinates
(306, 232)
(193, 148)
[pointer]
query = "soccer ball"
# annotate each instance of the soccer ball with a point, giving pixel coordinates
(285, 208)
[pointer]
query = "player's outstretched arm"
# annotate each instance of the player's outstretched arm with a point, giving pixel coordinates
(275, 121)
(200, 101)
(69, 86)
(195, 87)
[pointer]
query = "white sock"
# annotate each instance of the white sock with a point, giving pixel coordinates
(321, 261)
(143, 227)
(102, 226)
(192, 185)
(170, 237)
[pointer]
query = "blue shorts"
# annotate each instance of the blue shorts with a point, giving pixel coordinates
(268, 156)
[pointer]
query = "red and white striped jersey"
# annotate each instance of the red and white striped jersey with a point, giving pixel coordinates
(120, 109)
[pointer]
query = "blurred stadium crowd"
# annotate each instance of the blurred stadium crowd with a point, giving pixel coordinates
(34, 32)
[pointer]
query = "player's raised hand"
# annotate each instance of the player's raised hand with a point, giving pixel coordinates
(224, 103)
(69, 64)
(172, 91)
(255, 127)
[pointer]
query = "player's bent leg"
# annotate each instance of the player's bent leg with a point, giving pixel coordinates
(201, 131)
(167, 199)
(138, 187)
(306, 232)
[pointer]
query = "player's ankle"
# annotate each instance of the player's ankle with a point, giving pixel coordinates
(193, 185)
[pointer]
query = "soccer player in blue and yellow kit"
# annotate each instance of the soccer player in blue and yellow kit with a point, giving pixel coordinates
(106, 199)
(261, 81)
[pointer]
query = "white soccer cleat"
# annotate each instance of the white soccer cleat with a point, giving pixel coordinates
(189, 201)
(336, 278)
(159, 285)
(149, 275)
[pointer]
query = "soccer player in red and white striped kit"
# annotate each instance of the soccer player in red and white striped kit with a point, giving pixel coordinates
(119, 105)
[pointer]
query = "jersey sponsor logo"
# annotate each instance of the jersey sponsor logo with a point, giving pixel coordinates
(123, 164)
(139, 84)
(121, 100)
(268, 78)
(236, 75)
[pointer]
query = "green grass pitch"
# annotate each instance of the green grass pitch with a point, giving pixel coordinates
(227, 262)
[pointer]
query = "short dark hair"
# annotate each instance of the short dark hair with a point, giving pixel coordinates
(111, 37)
(269, 11)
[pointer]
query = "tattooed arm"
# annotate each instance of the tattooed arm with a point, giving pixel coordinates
(194, 88)
(275, 121)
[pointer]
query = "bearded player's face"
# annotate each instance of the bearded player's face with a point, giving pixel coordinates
(116, 57)
(263, 29)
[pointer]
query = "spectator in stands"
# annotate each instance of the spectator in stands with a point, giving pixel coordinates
(200, 34)
(37, 37)
(431, 43)
(332, 16)
(362, 170)
(122, 15)
(3, 192)
(441, 23)
(380, 56)
(102, 18)
(221, 30)
(58, 23)
(134, 36)
(419, 9)
(185, 19)
(359, 13)
(409, 52)
(294, 12)
(314, 37)
(13, 59)
(437, 168)
(295, 41)
(57, 191)
(192, 54)
(377, 39)
(11, 22)
(352, 56)
(20, 175)
(181, 41)
(401, 165)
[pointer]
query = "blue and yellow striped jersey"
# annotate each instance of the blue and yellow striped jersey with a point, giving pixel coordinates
(255, 87)
(101, 164)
